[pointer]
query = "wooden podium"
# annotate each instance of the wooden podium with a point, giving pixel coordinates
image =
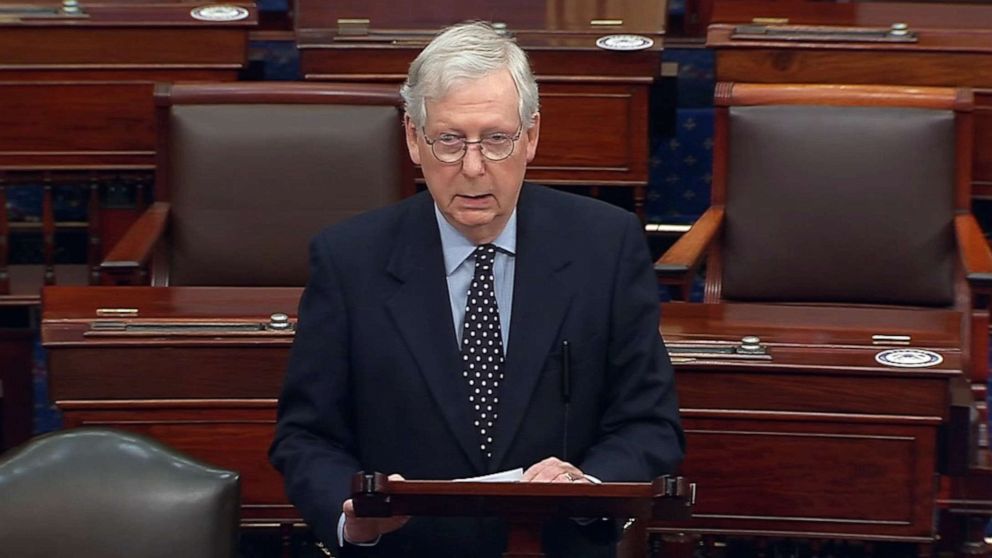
(525, 506)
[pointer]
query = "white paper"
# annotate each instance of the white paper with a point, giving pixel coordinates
(513, 475)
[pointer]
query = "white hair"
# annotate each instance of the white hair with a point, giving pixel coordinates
(467, 51)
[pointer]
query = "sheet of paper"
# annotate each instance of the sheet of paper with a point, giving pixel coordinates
(513, 475)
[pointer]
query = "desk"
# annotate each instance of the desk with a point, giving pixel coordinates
(818, 440)
(594, 102)
(211, 395)
(76, 112)
(77, 91)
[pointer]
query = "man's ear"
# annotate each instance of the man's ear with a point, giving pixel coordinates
(412, 145)
(533, 134)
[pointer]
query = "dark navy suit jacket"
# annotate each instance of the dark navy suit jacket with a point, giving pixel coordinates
(374, 377)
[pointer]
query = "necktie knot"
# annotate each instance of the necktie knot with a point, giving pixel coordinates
(484, 253)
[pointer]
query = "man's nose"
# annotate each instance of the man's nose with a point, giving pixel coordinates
(474, 163)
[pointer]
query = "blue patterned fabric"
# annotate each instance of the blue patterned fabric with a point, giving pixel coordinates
(696, 77)
(273, 61)
(46, 417)
(273, 5)
(680, 175)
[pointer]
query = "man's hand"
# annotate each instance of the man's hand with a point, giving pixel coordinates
(360, 530)
(553, 469)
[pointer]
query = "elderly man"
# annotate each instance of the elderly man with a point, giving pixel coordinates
(434, 334)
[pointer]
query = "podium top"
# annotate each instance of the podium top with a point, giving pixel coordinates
(668, 497)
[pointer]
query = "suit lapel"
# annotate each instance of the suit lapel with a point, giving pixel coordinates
(421, 309)
(541, 298)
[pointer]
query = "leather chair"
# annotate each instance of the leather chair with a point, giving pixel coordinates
(109, 494)
(247, 173)
(838, 194)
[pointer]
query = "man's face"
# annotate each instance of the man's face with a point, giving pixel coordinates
(475, 195)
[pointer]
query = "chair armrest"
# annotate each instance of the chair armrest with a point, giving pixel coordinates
(678, 264)
(135, 248)
(976, 256)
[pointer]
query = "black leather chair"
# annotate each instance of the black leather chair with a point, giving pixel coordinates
(108, 494)
(248, 172)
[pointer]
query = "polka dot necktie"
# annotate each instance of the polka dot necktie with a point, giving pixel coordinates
(482, 347)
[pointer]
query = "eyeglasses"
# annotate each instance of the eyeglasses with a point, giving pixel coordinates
(449, 148)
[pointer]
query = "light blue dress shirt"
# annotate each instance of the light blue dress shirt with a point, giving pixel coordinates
(460, 267)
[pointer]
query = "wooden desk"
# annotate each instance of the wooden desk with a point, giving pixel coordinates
(817, 441)
(209, 394)
(77, 91)
(594, 103)
(954, 48)
(76, 112)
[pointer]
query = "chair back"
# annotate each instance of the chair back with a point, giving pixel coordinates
(98, 492)
(254, 170)
(839, 194)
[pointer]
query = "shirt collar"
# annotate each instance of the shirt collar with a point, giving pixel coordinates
(457, 248)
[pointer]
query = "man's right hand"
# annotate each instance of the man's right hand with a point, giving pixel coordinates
(364, 530)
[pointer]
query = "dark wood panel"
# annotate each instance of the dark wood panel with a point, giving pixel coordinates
(520, 16)
(950, 15)
(228, 436)
(85, 118)
(111, 46)
(69, 311)
(168, 372)
(791, 65)
(872, 483)
(982, 169)
(751, 389)
(617, 149)
(800, 327)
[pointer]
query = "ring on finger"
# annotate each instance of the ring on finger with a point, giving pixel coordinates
(570, 477)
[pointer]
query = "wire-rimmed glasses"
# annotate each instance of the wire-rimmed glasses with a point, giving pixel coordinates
(449, 148)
